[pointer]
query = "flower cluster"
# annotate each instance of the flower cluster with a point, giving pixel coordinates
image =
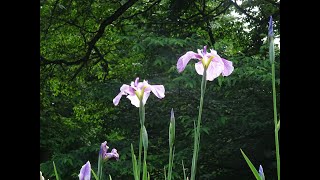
(85, 171)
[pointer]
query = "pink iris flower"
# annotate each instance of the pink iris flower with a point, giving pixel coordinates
(139, 91)
(212, 62)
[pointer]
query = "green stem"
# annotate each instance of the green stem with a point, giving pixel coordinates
(170, 164)
(100, 165)
(197, 130)
(142, 118)
(144, 177)
(139, 158)
(275, 119)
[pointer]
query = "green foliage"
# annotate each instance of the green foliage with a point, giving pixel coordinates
(77, 114)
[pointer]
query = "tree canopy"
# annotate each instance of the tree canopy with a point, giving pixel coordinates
(88, 49)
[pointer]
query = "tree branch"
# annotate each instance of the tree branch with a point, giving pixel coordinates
(273, 3)
(93, 41)
(153, 4)
(244, 11)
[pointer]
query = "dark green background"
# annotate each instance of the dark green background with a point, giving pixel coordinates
(90, 48)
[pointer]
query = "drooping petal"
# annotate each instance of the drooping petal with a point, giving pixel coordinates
(184, 60)
(113, 154)
(158, 90)
(215, 68)
(134, 100)
(145, 97)
(228, 67)
(199, 67)
(124, 90)
(116, 100)
(85, 172)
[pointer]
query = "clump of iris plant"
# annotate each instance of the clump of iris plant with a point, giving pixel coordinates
(85, 171)
(104, 156)
(210, 65)
(138, 93)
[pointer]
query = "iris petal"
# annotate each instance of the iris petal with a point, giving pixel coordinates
(85, 172)
(184, 60)
(228, 67)
(199, 67)
(158, 90)
(214, 69)
(134, 100)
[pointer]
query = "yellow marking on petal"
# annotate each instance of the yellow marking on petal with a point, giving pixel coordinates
(206, 61)
(139, 93)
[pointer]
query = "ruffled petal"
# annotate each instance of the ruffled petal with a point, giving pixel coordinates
(228, 67)
(215, 68)
(134, 100)
(184, 60)
(213, 52)
(158, 90)
(199, 67)
(113, 154)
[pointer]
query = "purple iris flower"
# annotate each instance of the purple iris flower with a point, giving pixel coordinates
(85, 172)
(270, 29)
(113, 154)
(212, 62)
(104, 152)
(139, 91)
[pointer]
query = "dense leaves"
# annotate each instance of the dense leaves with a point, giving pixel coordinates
(90, 48)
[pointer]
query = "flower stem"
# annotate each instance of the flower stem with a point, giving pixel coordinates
(275, 115)
(197, 128)
(139, 158)
(142, 118)
(275, 120)
(170, 164)
(144, 177)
